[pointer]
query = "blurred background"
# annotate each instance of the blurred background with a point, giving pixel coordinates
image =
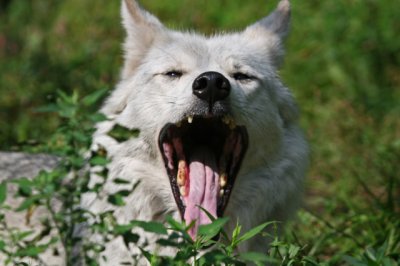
(342, 64)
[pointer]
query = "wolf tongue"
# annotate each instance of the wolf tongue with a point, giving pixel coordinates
(203, 188)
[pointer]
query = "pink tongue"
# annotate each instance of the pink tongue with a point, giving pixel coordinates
(203, 189)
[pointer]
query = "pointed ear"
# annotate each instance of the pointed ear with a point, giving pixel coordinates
(142, 28)
(278, 21)
(274, 29)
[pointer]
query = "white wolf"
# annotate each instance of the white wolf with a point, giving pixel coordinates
(217, 127)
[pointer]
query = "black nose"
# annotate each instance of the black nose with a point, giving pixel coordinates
(211, 87)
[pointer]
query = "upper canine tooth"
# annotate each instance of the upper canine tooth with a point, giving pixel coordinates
(190, 119)
(229, 121)
(223, 180)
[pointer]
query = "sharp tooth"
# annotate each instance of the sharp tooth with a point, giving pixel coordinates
(181, 164)
(221, 193)
(223, 179)
(181, 176)
(183, 191)
(179, 124)
(190, 119)
(229, 121)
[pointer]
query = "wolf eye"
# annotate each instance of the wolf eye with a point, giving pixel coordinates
(174, 74)
(241, 76)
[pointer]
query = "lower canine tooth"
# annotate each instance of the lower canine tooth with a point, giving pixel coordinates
(181, 176)
(183, 191)
(190, 119)
(221, 192)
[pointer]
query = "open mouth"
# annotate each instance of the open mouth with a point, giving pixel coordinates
(202, 157)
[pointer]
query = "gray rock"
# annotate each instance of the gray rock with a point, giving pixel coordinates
(18, 164)
(15, 165)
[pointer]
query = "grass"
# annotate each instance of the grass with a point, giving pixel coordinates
(343, 65)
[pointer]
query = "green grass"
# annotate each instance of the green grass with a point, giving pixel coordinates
(343, 65)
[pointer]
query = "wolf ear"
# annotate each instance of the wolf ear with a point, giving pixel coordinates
(142, 28)
(278, 21)
(274, 29)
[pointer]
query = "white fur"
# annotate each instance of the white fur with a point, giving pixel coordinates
(269, 185)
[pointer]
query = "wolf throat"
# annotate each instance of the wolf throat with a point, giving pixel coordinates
(202, 157)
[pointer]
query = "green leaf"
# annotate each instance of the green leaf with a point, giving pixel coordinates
(130, 237)
(212, 218)
(97, 117)
(99, 160)
(146, 254)
(236, 232)
(253, 232)
(209, 215)
(175, 225)
(371, 254)
(116, 199)
(77, 162)
(179, 227)
(121, 181)
(21, 264)
(22, 235)
(123, 228)
(2, 245)
(212, 229)
(31, 251)
(3, 192)
(120, 133)
(151, 227)
(168, 243)
(293, 251)
(24, 186)
(94, 97)
(29, 202)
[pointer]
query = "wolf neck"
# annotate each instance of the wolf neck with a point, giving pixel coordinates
(203, 188)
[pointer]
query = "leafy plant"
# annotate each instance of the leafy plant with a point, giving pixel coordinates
(59, 191)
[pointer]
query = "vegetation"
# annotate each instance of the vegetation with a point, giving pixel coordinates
(343, 65)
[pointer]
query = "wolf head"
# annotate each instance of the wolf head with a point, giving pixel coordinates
(209, 109)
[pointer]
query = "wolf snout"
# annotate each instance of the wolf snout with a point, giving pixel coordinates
(211, 87)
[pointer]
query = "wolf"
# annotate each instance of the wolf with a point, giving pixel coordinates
(217, 128)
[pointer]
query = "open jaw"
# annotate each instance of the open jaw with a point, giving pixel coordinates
(202, 157)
